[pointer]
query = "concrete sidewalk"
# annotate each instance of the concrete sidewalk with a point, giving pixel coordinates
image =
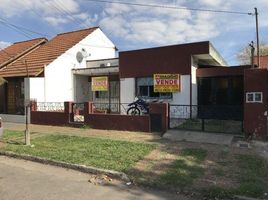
(199, 137)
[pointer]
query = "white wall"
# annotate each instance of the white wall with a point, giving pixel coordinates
(59, 80)
(127, 90)
(182, 97)
(37, 89)
(194, 83)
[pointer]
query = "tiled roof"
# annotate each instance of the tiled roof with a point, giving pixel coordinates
(18, 49)
(44, 55)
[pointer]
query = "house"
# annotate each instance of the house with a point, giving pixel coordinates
(209, 88)
(45, 73)
(81, 66)
(132, 73)
(13, 103)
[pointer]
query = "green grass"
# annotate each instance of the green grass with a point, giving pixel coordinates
(12, 135)
(216, 192)
(185, 169)
(102, 153)
(191, 124)
(252, 176)
(218, 172)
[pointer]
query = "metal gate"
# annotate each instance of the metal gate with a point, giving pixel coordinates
(209, 118)
(78, 112)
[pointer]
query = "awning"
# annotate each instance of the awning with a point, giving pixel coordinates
(98, 71)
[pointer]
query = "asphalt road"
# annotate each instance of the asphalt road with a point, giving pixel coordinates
(25, 180)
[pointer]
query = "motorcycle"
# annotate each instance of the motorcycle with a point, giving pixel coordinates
(138, 107)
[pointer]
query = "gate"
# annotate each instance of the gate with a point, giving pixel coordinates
(78, 112)
(208, 118)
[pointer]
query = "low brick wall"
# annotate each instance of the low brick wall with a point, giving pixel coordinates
(49, 118)
(102, 120)
(161, 108)
(118, 122)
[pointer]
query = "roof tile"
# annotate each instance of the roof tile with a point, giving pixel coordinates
(46, 54)
(18, 49)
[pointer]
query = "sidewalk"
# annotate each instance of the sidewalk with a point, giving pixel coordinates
(199, 137)
(27, 180)
(120, 135)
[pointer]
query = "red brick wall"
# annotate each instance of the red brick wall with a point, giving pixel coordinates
(169, 59)
(263, 61)
(118, 122)
(156, 108)
(255, 122)
(49, 118)
(221, 71)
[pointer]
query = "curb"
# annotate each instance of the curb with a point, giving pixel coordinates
(81, 168)
(244, 198)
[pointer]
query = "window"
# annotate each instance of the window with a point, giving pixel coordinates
(114, 91)
(254, 97)
(145, 89)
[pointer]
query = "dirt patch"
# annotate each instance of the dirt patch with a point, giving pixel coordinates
(1, 144)
(87, 132)
(220, 166)
(154, 164)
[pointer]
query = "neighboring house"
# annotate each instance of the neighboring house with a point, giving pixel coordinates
(132, 74)
(50, 67)
(13, 103)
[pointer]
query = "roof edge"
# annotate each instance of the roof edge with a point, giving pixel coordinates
(13, 59)
(41, 38)
(172, 45)
(216, 55)
(94, 27)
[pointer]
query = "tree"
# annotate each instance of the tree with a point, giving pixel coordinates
(244, 56)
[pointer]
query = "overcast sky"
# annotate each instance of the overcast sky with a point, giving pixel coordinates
(133, 27)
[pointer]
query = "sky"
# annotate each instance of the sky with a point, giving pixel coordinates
(135, 27)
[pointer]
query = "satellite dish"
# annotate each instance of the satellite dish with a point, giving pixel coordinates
(84, 53)
(79, 57)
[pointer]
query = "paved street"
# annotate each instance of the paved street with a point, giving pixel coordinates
(26, 180)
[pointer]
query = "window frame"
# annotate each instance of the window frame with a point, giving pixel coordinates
(254, 97)
(161, 96)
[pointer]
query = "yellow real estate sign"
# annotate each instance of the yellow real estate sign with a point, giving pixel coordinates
(99, 83)
(166, 83)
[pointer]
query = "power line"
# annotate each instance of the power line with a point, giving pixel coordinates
(16, 29)
(4, 21)
(172, 7)
(41, 34)
(68, 12)
(62, 11)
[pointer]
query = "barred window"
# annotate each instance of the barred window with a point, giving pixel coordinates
(145, 89)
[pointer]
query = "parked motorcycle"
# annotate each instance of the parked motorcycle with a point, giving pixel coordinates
(138, 107)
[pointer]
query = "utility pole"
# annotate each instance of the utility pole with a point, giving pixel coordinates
(257, 35)
(27, 106)
(252, 49)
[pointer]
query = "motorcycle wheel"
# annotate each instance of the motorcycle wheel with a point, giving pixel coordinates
(133, 111)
